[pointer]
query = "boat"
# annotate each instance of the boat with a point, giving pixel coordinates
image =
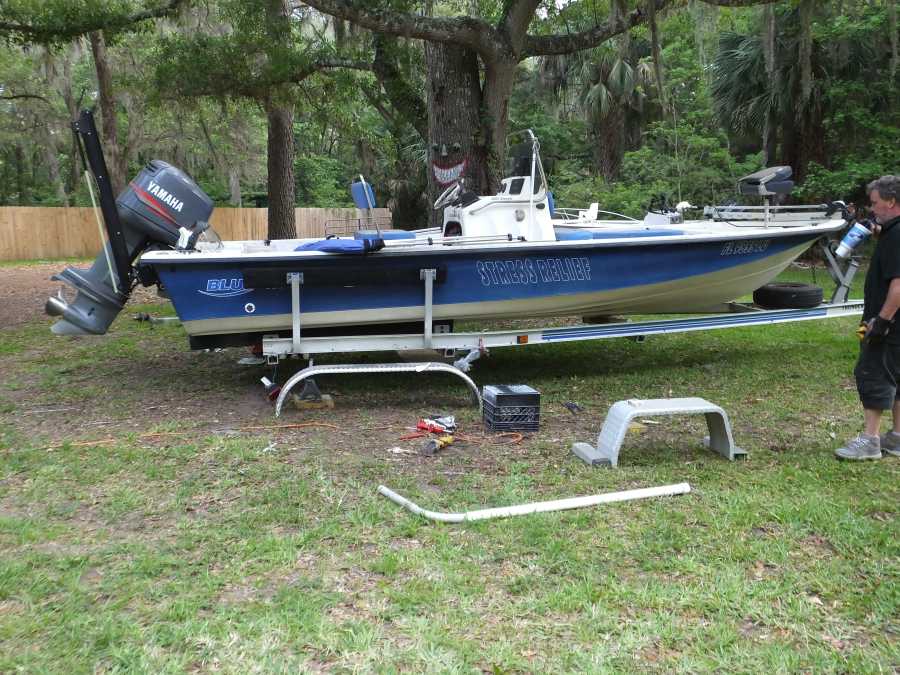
(508, 255)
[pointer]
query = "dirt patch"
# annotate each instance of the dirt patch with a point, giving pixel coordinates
(24, 290)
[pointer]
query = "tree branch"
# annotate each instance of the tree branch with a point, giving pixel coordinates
(566, 44)
(398, 89)
(327, 64)
(465, 30)
(35, 96)
(739, 3)
(517, 16)
(55, 27)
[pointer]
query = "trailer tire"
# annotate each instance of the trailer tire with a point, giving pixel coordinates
(788, 296)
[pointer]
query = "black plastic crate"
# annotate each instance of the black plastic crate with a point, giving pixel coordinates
(510, 394)
(514, 407)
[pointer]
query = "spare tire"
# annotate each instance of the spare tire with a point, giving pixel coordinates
(788, 296)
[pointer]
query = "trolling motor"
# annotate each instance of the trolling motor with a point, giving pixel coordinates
(161, 208)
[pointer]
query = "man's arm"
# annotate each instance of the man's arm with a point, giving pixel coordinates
(875, 329)
(892, 301)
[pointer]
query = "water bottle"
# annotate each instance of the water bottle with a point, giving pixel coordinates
(854, 237)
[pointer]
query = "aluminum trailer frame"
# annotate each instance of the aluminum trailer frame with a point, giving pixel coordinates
(275, 348)
(477, 342)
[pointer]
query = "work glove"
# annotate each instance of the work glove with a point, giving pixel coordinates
(876, 329)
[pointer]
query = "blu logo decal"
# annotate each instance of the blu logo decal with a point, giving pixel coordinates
(225, 288)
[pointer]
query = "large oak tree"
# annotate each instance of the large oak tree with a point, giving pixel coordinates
(473, 109)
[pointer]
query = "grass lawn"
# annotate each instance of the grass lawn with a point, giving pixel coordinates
(155, 517)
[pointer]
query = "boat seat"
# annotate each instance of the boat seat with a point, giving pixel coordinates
(766, 182)
(384, 234)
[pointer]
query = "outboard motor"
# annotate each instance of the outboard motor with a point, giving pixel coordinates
(157, 208)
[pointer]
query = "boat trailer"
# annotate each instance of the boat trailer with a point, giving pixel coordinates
(476, 343)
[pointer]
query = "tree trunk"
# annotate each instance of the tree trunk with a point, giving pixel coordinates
(892, 29)
(499, 78)
(609, 143)
(805, 54)
(24, 196)
(280, 164)
(809, 145)
(110, 130)
(455, 143)
(658, 71)
(49, 142)
(770, 130)
(234, 186)
(609, 146)
(706, 34)
(229, 172)
(280, 116)
(72, 107)
(52, 159)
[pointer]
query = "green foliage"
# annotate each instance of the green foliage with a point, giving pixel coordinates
(56, 22)
(683, 163)
(321, 181)
(189, 90)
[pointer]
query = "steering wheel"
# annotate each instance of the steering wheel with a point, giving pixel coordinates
(449, 195)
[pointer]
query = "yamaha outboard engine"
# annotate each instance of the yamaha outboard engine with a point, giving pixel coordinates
(158, 207)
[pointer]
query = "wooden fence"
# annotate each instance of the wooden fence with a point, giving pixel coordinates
(33, 233)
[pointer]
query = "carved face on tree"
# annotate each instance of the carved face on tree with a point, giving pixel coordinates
(447, 162)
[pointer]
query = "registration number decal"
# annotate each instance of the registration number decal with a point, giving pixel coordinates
(744, 247)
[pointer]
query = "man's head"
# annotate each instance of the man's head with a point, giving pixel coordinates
(884, 194)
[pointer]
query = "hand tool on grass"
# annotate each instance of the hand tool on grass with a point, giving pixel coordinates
(433, 445)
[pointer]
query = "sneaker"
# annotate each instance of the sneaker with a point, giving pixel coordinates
(890, 443)
(861, 447)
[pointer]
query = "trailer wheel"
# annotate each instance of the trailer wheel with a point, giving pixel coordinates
(788, 296)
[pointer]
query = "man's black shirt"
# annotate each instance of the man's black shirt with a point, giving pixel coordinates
(884, 266)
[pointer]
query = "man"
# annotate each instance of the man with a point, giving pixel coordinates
(877, 370)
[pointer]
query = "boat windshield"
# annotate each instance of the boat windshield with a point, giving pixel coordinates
(523, 159)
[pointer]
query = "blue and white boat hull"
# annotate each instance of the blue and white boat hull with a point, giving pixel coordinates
(680, 273)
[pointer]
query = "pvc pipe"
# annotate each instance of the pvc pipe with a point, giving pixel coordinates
(536, 507)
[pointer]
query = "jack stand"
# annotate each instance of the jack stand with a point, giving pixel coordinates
(310, 391)
(842, 278)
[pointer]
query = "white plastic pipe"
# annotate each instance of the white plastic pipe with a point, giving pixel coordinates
(536, 507)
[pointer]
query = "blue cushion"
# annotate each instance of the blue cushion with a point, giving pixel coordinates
(551, 202)
(570, 235)
(384, 234)
(633, 233)
(351, 246)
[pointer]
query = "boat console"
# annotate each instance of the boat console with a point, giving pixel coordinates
(520, 210)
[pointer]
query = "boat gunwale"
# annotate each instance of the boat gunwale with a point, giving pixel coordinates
(440, 247)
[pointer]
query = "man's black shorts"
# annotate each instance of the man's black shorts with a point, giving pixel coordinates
(877, 375)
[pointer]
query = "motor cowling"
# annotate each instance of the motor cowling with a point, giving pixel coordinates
(154, 207)
(160, 201)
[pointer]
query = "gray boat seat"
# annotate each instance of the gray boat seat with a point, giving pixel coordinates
(765, 182)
